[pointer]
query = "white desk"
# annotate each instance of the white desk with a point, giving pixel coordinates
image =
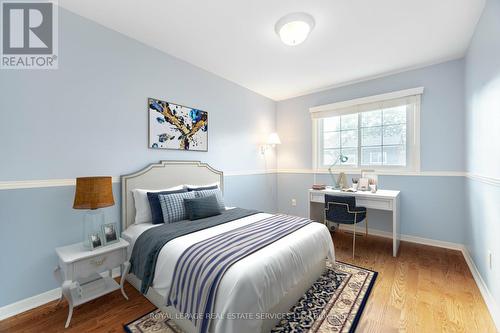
(382, 199)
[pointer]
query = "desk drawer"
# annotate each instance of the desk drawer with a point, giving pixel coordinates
(99, 263)
(373, 203)
(317, 197)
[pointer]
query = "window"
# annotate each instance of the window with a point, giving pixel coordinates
(378, 132)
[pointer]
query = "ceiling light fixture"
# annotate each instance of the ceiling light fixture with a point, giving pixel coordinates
(294, 28)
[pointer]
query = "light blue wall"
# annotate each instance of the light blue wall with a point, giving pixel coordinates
(482, 68)
(251, 191)
(432, 207)
(89, 117)
(34, 222)
(442, 116)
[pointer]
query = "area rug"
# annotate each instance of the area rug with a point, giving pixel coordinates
(334, 303)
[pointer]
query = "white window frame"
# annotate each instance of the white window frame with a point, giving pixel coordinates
(363, 104)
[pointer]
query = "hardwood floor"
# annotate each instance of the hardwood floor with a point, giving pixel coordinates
(424, 289)
(105, 314)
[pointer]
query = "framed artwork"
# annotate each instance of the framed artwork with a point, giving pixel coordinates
(96, 240)
(363, 184)
(110, 233)
(173, 126)
(371, 175)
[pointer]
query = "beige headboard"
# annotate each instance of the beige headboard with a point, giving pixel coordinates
(163, 175)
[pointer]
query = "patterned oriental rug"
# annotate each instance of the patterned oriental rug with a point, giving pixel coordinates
(334, 303)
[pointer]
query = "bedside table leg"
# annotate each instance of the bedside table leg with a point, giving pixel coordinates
(60, 299)
(125, 268)
(66, 292)
(59, 279)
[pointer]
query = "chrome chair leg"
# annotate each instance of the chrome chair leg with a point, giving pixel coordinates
(366, 225)
(354, 240)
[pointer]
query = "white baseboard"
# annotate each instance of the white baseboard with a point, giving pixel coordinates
(29, 303)
(406, 238)
(483, 288)
(37, 300)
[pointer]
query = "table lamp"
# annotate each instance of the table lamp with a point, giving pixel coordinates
(342, 159)
(92, 193)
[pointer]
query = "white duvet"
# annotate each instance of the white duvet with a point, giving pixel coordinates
(256, 283)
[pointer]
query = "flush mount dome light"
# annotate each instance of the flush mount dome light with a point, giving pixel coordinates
(294, 28)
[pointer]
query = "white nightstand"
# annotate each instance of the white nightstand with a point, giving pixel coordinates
(77, 263)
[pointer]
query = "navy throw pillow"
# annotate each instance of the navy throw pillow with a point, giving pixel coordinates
(202, 207)
(154, 203)
(202, 188)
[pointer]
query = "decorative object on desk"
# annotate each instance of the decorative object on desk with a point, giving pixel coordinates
(96, 240)
(355, 183)
(371, 175)
(272, 140)
(110, 233)
(342, 181)
(93, 193)
(319, 186)
(372, 185)
(342, 159)
(363, 184)
(173, 126)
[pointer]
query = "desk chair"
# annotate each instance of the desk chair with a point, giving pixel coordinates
(342, 210)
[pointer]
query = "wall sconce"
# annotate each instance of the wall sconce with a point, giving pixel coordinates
(272, 140)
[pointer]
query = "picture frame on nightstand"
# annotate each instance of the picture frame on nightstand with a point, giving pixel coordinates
(110, 233)
(96, 240)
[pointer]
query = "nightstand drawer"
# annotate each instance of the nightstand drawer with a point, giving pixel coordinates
(99, 263)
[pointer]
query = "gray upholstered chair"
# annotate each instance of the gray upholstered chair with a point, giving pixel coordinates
(343, 210)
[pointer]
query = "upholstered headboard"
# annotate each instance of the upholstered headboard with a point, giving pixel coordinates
(163, 175)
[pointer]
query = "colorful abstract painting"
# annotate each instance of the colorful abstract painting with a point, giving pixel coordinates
(173, 126)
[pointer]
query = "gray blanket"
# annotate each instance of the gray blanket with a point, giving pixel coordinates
(149, 244)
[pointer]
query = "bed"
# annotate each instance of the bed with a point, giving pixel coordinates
(255, 291)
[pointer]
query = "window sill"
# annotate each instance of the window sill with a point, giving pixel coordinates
(357, 171)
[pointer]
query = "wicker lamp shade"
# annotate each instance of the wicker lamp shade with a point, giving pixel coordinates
(93, 193)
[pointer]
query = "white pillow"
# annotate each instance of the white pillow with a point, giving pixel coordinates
(141, 202)
(191, 187)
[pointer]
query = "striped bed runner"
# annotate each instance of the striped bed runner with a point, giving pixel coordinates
(201, 266)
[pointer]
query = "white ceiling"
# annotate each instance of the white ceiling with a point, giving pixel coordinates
(352, 39)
